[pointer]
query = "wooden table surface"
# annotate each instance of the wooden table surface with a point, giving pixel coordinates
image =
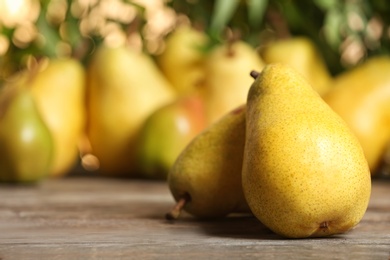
(96, 218)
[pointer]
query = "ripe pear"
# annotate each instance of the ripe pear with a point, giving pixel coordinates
(124, 88)
(361, 96)
(301, 54)
(166, 132)
(205, 180)
(26, 146)
(59, 90)
(227, 81)
(304, 172)
(182, 59)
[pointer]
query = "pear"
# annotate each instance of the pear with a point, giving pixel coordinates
(361, 96)
(227, 81)
(59, 91)
(166, 132)
(304, 172)
(124, 88)
(205, 180)
(301, 54)
(182, 59)
(26, 146)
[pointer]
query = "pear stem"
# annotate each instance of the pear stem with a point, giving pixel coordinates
(232, 36)
(254, 74)
(176, 210)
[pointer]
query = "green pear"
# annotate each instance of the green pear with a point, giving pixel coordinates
(304, 172)
(205, 180)
(361, 96)
(124, 87)
(167, 132)
(26, 147)
(301, 54)
(182, 59)
(59, 91)
(227, 81)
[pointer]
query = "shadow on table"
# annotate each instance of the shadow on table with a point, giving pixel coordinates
(240, 226)
(237, 226)
(234, 226)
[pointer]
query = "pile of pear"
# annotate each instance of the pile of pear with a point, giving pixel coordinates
(218, 80)
(208, 85)
(142, 110)
(127, 113)
(285, 156)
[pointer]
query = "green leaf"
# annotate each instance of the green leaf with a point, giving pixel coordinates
(222, 13)
(332, 25)
(326, 4)
(7, 32)
(51, 35)
(256, 10)
(73, 34)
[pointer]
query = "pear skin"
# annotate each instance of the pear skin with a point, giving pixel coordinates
(206, 177)
(302, 55)
(227, 81)
(361, 96)
(304, 172)
(182, 60)
(59, 90)
(124, 87)
(166, 132)
(26, 145)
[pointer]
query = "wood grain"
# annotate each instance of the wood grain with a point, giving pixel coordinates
(94, 218)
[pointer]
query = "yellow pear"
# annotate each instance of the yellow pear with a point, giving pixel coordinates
(304, 172)
(182, 60)
(361, 96)
(301, 54)
(124, 88)
(227, 80)
(59, 91)
(205, 180)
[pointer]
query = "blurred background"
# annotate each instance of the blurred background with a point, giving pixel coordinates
(346, 32)
(34, 33)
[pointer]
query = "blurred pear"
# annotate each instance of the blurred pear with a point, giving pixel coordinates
(227, 77)
(182, 60)
(59, 91)
(124, 88)
(301, 54)
(361, 96)
(167, 132)
(26, 146)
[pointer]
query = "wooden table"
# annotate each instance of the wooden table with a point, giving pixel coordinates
(97, 218)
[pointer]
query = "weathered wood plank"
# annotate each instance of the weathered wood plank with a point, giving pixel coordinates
(92, 218)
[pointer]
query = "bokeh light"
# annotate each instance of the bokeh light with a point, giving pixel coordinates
(17, 12)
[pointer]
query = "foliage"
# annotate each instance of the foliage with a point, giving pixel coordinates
(64, 28)
(346, 32)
